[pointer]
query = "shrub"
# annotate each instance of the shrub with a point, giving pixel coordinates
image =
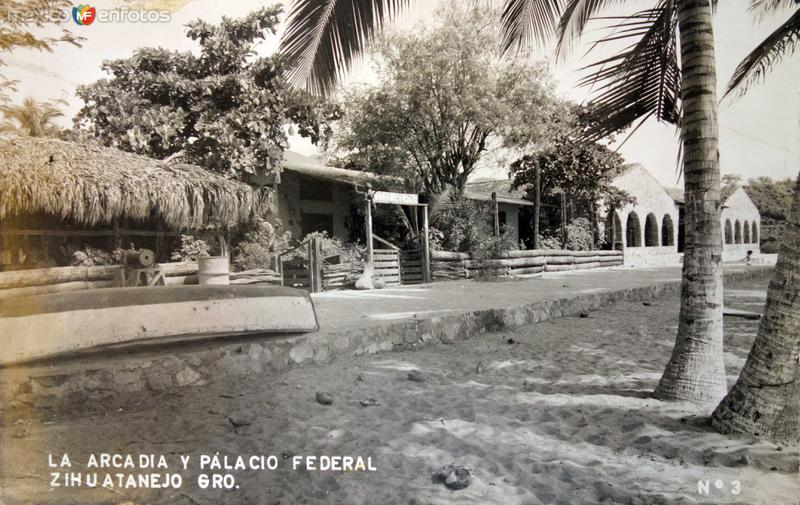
(261, 245)
(491, 247)
(466, 226)
(770, 246)
(580, 236)
(549, 242)
(331, 246)
(191, 249)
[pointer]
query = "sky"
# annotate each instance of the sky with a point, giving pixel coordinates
(759, 133)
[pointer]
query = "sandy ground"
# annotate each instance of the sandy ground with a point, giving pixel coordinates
(555, 413)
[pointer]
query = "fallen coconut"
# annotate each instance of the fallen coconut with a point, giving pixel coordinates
(416, 376)
(324, 398)
(453, 477)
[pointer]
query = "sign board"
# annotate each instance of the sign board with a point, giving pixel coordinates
(395, 198)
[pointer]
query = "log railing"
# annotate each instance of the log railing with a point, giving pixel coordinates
(519, 264)
(60, 279)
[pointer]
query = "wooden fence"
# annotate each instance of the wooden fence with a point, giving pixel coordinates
(519, 264)
(62, 279)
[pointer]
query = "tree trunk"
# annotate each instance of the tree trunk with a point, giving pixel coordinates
(766, 398)
(563, 221)
(696, 371)
(537, 204)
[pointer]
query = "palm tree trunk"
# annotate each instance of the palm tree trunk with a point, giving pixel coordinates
(696, 371)
(766, 398)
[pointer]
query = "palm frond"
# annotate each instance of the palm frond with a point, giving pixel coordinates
(755, 66)
(641, 81)
(770, 6)
(529, 22)
(440, 201)
(575, 15)
(324, 36)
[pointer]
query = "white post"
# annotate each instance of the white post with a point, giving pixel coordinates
(426, 256)
(369, 229)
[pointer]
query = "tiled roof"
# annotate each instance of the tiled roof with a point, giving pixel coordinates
(676, 194)
(482, 190)
(312, 167)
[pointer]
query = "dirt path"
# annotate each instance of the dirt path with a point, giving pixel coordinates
(556, 413)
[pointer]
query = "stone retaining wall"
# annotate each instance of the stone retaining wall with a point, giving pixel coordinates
(102, 376)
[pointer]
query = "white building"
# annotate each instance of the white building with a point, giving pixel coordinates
(652, 229)
(741, 226)
(646, 230)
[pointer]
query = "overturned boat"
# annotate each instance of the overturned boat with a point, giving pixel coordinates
(55, 324)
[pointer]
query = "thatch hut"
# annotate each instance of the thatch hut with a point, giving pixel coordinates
(57, 197)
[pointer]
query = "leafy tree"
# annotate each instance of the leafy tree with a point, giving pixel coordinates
(445, 98)
(773, 198)
(19, 18)
(225, 109)
(729, 183)
(32, 118)
(572, 168)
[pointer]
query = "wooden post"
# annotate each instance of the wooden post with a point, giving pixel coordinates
(496, 212)
(537, 204)
(563, 220)
(368, 201)
(426, 254)
(315, 264)
(312, 278)
(117, 237)
(613, 215)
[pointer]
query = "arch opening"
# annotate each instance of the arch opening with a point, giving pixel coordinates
(614, 231)
(633, 231)
(667, 231)
(728, 232)
(650, 231)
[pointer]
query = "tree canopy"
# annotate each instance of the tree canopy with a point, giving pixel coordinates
(773, 198)
(580, 169)
(225, 109)
(444, 99)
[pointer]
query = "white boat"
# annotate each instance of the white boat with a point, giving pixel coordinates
(48, 325)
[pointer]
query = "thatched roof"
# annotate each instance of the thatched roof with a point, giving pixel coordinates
(92, 185)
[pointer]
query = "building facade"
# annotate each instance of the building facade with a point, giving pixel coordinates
(647, 229)
(741, 226)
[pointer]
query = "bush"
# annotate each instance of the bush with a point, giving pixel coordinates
(580, 236)
(549, 242)
(330, 246)
(191, 249)
(467, 226)
(770, 246)
(261, 245)
(491, 247)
